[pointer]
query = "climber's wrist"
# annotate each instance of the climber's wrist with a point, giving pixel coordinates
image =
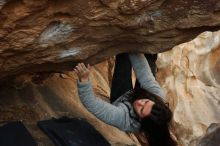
(84, 79)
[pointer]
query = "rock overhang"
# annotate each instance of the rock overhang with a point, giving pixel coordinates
(52, 36)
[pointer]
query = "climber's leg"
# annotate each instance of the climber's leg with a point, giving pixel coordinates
(121, 81)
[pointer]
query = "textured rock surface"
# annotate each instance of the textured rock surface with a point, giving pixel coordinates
(45, 35)
(190, 75)
(55, 97)
(211, 138)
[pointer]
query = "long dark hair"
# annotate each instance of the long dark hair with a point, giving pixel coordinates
(156, 125)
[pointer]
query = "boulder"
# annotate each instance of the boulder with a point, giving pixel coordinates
(51, 36)
(189, 74)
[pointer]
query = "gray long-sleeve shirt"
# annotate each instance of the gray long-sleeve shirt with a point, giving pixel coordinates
(121, 114)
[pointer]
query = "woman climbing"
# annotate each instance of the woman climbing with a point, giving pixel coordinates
(139, 110)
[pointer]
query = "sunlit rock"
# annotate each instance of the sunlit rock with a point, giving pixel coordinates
(189, 73)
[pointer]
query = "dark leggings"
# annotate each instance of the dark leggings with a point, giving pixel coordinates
(122, 81)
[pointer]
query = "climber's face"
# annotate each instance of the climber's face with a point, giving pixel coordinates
(143, 107)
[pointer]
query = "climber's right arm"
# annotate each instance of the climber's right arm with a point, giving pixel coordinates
(108, 113)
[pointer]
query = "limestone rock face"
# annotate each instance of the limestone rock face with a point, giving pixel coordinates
(189, 73)
(43, 35)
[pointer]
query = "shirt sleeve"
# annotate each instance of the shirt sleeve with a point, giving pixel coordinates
(144, 75)
(106, 112)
